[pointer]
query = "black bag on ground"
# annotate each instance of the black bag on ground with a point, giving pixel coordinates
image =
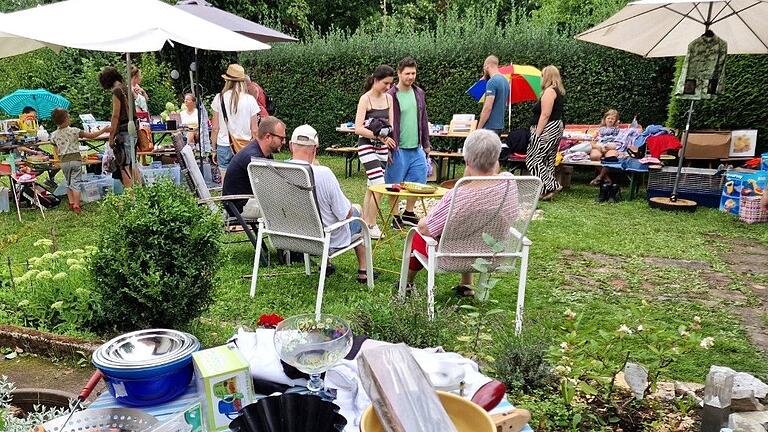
(517, 141)
(47, 199)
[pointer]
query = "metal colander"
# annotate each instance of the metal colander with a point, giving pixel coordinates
(103, 420)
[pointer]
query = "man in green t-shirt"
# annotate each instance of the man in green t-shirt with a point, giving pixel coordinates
(411, 133)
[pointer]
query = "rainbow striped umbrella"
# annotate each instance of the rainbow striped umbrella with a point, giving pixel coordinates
(524, 84)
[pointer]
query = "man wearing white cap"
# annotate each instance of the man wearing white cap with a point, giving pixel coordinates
(334, 205)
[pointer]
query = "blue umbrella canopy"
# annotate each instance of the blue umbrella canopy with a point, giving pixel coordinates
(43, 101)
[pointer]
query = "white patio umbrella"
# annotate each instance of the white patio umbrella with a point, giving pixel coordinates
(129, 26)
(664, 28)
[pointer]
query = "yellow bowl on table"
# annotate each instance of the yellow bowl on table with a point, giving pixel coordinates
(465, 415)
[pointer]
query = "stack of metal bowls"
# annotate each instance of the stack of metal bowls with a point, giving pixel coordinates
(147, 367)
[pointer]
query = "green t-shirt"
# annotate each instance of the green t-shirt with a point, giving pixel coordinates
(409, 124)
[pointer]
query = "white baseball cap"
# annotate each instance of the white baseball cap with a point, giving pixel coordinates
(305, 135)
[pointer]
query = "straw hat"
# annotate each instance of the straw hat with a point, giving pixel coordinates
(235, 72)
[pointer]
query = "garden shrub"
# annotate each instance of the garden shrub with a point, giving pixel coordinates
(741, 106)
(405, 322)
(320, 79)
(157, 258)
(521, 361)
(52, 292)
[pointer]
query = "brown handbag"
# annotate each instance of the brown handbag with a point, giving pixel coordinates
(236, 144)
(144, 143)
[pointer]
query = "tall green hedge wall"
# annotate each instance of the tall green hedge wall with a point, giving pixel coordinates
(743, 104)
(320, 81)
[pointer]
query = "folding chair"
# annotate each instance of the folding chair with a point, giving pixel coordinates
(503, 211)
(196, 183)
(291, 218)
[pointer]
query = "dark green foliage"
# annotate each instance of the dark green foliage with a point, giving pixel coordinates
(741, 106)
(405, 322)
(521, 362)
(157, 259)
(74, 74)
(320, 81)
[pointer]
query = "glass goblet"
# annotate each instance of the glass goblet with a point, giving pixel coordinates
(313, 343)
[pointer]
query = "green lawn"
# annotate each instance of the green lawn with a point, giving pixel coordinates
(588, 257)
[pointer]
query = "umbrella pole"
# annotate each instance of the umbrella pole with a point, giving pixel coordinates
(199, 103)
(131, 125)
(673, 197)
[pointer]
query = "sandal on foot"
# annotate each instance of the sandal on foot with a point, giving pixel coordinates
(329, 270)
(362, 276)
(464, 291)
(410, 288)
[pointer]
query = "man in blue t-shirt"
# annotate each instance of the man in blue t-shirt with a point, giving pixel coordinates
(496, 97)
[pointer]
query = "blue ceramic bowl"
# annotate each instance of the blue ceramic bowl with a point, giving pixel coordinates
(150, 387)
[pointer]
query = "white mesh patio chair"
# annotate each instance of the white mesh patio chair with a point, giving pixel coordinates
(291, 219)
(503, 211)
(196, 183)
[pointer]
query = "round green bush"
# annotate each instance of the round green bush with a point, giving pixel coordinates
(158, 252)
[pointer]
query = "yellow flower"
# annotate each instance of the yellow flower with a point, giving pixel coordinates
(59, 276)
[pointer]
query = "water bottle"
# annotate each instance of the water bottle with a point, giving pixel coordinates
(634, 123)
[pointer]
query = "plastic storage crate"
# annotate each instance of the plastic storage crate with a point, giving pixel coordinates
(151, 175)
(94, 188)
(698, 184)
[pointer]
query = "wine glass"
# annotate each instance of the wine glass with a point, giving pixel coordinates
(313, 343)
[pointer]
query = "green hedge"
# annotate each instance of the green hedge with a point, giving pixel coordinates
(741, 106)
(319, 81)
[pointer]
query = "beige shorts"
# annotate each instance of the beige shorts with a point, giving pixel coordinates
(73, 174)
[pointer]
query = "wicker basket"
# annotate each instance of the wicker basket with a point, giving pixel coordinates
(750, 210)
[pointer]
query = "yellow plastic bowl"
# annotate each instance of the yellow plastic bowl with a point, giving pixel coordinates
(465, 415)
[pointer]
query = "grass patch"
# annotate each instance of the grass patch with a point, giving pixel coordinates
(573, 227)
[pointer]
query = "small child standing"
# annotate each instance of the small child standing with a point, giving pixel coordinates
(67, 141)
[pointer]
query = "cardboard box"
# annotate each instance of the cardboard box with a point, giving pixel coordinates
(708, 145)
(224, 383)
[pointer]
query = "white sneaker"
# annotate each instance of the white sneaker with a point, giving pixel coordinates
(375, 232)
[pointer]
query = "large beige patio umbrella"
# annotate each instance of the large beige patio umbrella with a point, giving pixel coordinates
(129, 26)
(664, 28)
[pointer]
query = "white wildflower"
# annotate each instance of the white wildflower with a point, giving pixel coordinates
(45, 274)
(640, 328)
(44, 242)
(59, 276)
(569, 314)
(75, 267)
(72, 261)
(697, 319)
(564, 346)
(562, 370)
(707, 342)
(625, 329)
(78, 251)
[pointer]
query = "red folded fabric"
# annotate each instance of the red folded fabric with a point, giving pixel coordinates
(660, 144)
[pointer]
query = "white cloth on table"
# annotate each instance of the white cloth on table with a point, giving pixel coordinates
(258, 349)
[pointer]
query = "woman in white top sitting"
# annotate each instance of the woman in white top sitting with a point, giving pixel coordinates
(189, 117)
(241, 122)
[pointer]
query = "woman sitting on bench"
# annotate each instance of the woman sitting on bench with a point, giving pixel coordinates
(609, 126)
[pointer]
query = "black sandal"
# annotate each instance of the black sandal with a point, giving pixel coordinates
(464, 291)
(362, 276)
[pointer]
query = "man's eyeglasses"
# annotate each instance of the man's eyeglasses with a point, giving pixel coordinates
(282, 137)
